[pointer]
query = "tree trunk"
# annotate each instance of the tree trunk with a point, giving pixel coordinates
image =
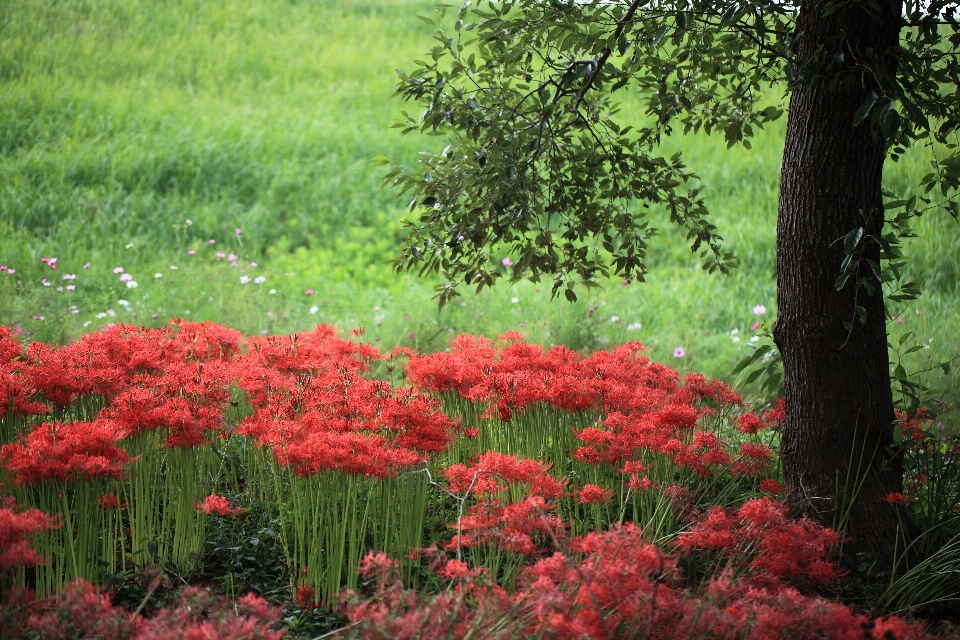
(836, 446)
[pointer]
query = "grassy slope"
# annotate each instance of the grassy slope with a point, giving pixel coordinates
(120, 121)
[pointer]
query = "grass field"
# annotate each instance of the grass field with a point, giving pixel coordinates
(134, 133)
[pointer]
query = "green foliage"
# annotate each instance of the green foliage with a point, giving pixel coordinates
(245, 554)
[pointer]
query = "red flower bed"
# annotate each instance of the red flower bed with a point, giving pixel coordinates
(344, 449)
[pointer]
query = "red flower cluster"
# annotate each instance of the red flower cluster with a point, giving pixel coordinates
(109, 501)
(219, 505)
(311, 403)
(516, 374)
(176, 378)
(82, 611)
(592, 494)
(67, 451)
(619, 587)
(767, 546)
(16, 388)
(15, 550)
(514, 526)
(313, 406)
(651, 410)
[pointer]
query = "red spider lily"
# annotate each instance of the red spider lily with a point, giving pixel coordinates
(109, 501)
(305, 597)
(749, 423)
(767, 545)
(15, 527)
(352, 453)
(895, 498)
(514, 526)
(82, 611)
(16, 389)
(914, 427)
(491, 472)
(621, 438)
(769, 485)
(518, 374)
(187, 401)
(317, 412)
(755, 459)
(67, 451)
(218, 505)
(619, 587)
(777, 415)
(592, 494)
(637, 483)
(101, 363)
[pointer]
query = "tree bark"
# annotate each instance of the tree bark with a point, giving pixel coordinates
(837, 441)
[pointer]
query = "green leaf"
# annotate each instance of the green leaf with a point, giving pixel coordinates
(659, 36)
(852, 239)
(681, 19)
(729, 15)
(865, 108)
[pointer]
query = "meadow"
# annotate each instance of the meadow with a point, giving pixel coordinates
(173, 159)
(134, 133)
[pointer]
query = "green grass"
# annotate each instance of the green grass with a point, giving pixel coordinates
(120, 121)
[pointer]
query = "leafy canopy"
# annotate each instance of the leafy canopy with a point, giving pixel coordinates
(536, 162)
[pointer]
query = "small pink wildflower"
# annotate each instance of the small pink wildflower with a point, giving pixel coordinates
(759, 310)
(232, 257)
(212, 241)
(220, 254)
(126, 277)
(239, 232)
(86, 265)
(118, 270)
(71, 287)
(507, 262)
(679, 352)
(191, 252)
(755, 326)
(308, 292)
